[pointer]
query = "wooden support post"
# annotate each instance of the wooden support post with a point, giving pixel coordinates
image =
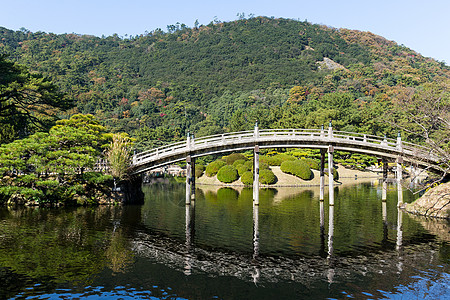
(256, 131)
(255, 231)
(399, 141)
(256, 175)
(188, 179)
(399, 180)
(330, 130)
(384, 211)
(322, 174)
(188, 141)
(399, 229)
(385, 222)
(192, 178)
(189, 224)
(190, 231)
(384, 182)
(330, 231)
(330, 175)
(322, 216)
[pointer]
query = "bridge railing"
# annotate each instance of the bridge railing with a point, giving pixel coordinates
(290, 133)
(224, 138)
(206, 141)
(388, 142)
(282, 134)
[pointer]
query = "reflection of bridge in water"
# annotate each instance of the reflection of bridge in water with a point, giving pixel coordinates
(390, 260)
(327, 141)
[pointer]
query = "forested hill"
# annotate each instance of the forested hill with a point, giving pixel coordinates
(224, 76)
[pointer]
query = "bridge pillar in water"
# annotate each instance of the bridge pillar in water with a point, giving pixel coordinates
(330, 175)
(384, 182)
(399, 180)
(330, 232)
(322, 174)
(190, 179)
(256, 175)
(190, 229)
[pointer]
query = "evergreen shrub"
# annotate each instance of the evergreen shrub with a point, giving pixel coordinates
(230, 159)
(214, 167)
(227, 174)
(277, 159)
(312, 163)
(335, 174)
(199, 170)
(262, 165)
(247, 178)
(239, 162)
(249, 164)
(267, 177)
(242, 169)
(297, 168)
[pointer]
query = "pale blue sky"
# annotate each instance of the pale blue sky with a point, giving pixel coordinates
(423, 26)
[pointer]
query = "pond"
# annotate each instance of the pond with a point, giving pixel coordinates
(291, 246)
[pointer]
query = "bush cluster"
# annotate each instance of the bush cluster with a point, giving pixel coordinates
(249, 164)
(335, 174)
(230, 159)
(239, 162)
(297, 168)
(227, 174)
(267, 177)
(277, 159)
(262, 165)
(242, 169)
(214, 167)
(312, 163)
(199, 170)
(247, 178)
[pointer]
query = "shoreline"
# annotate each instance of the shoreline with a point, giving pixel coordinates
(432, 204)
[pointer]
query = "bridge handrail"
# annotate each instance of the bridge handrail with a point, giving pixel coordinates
(197, 141)
(225, 138)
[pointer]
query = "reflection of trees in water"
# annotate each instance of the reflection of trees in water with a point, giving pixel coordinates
(168, 191)
(63, 245)
(373, 271)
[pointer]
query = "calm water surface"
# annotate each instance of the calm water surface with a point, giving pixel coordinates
(222, 247)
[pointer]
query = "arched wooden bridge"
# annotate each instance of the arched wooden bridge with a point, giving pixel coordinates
(287, 138)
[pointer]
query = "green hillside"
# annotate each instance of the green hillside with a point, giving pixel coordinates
(225, 76)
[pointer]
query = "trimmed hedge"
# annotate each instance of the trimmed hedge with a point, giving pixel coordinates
(199, 169)
(335, 174)
(214, 167)
(267, 177)
(297, 168)
(262, 165)
(312, 163)
(227, 174)
(242, 169)
(247, 178)
(249, 164)
(239, 162)
(277, 159)
(230, 159)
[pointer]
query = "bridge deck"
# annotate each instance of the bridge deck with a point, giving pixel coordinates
(286, 138)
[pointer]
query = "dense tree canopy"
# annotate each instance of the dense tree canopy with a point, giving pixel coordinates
(56, 166)
(27, 101)
(225, 76)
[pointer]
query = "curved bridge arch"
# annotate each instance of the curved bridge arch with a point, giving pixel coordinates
(287, 138)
